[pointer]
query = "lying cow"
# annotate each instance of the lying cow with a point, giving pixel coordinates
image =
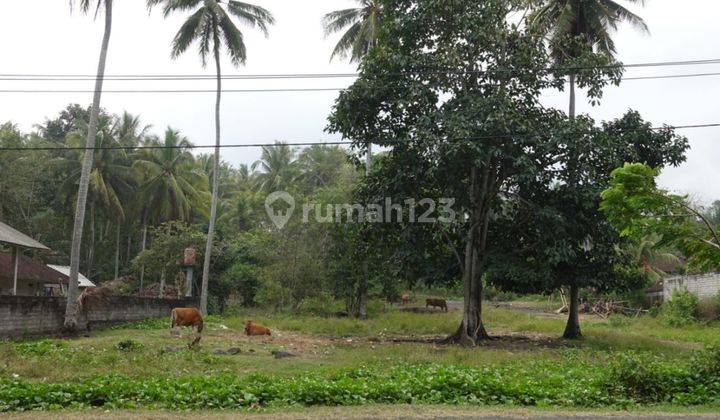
(439, 303)
(188, 317)
(255, 329)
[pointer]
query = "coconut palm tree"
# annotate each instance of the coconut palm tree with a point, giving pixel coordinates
(277, 168)
(361, 26)
(652, 258)
(593, 21)
(111, 180)
(172, 186)
(211, 25)
(71, 310)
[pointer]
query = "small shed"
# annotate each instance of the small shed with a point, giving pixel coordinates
(83, 281)
(18, 267)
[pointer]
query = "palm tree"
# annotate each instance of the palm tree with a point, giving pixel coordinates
(278, 168)
(212, 26)
(71, 310)
(110, 185)
(172, 185)
(363, 28)
(590, 20)
(321, 166)
(648, 255)
(362, 23)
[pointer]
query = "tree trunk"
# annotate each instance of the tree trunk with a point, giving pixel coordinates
(365, 279)
(128, 250)
(571, 112)
(142, 248)
(91, 248)
(213, 205)
(71, 310)
(471, 330)
(117, 251)
(572, 329)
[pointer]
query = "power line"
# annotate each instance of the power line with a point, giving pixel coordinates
(290, 90)
(154, 77)
(308, 143)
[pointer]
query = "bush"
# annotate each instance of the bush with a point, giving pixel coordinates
(681, 309)
(709, 309)
(128, 345)
(37, 348)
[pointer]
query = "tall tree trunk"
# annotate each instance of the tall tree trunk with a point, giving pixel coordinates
(472, 330)
(365, 278)
(91, 248)
(117, 251)
(128, 251)
(571, 111)
(213, 205)
(71, 310)
(572, 329)
(142, 247)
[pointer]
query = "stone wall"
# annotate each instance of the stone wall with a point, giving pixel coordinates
(29, 315)
(702, 285)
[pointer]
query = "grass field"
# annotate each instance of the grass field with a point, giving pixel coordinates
(527, 353)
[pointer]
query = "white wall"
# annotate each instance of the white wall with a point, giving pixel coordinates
(702, 285)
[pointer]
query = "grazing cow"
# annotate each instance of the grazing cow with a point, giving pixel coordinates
(188, 317)
(255, 329)
(405, 298)
(440, 303)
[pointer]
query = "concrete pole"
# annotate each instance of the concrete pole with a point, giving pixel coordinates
(15, 262)
(189, 282)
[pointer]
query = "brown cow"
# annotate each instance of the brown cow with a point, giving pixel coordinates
(188, 317)
(405, 298)
(440, 303)
(255, 329)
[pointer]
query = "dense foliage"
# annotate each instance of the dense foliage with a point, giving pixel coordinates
(631, 379)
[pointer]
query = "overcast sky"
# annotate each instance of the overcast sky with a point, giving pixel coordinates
(42, 37)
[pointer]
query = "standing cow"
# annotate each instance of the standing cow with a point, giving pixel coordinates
(188, 317)
(439, 303)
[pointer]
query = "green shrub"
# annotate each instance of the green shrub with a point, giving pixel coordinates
(39, 347)
(128, 345)
(681, 309)
(633, 379)
(617, 321)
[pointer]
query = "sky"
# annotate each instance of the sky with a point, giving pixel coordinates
(43, 37)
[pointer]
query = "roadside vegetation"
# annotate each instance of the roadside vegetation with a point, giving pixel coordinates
(393, 358)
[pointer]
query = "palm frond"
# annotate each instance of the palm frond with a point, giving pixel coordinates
(251, 15)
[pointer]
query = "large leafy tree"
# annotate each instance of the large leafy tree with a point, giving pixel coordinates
(588, 23)
(211, 25)
(72, 308)
(565, 239)
(479, 130)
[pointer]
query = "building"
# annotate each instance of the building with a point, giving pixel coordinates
(83, 282)
(20, 275)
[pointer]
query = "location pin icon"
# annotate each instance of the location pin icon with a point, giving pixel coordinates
(279, 217)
